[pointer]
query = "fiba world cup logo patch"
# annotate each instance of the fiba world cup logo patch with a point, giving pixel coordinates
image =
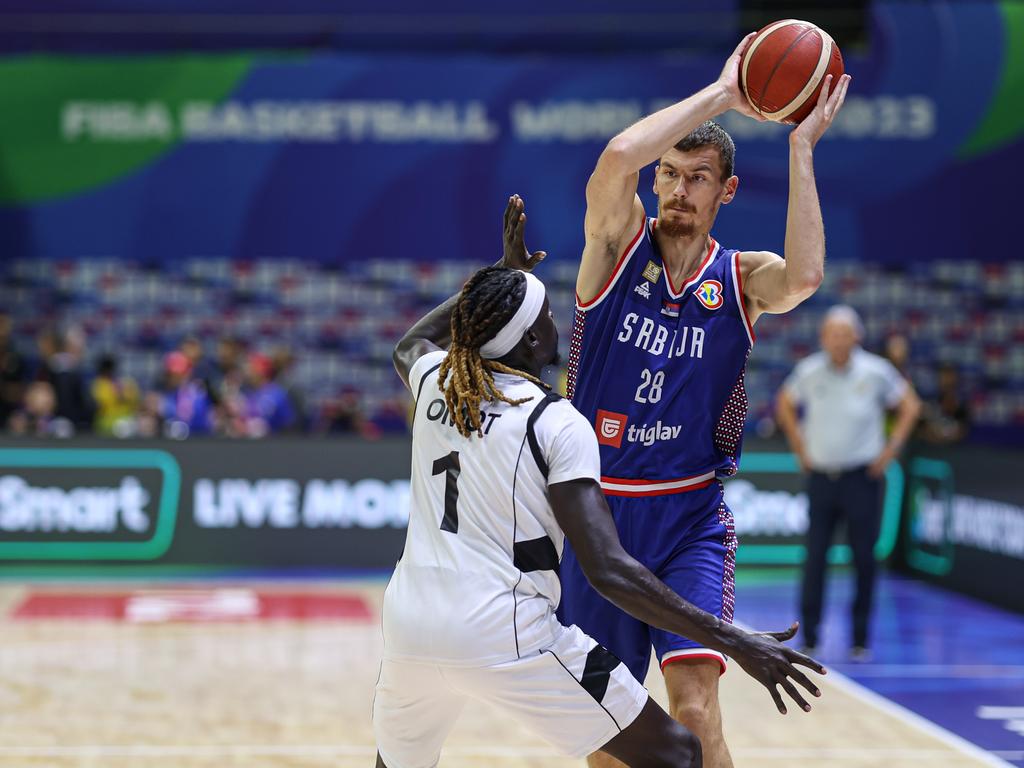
(710, 294)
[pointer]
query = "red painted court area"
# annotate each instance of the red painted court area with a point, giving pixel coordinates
(193, 605)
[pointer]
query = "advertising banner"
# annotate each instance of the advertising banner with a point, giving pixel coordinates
(280, 504)
(343, 504)
(326, 157)
(331, 504)
(964, 523)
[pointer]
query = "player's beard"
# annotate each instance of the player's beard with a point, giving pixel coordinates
(678, 227)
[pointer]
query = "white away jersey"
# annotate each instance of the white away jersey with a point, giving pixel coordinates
(478, 581)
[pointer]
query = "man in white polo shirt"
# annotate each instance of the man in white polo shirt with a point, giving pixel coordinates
(844, 393)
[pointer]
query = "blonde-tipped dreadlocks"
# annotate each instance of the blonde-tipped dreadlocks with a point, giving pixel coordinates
(488, 301)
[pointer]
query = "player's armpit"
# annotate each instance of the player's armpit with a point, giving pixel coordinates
(609, 226)
(768, 286)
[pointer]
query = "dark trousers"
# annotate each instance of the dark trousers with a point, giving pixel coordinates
(857, 497)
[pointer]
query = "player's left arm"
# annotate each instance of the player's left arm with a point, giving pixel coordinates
(908, 411)
(433, 331)
(770, 283)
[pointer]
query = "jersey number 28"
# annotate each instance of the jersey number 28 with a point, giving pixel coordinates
(652, 384)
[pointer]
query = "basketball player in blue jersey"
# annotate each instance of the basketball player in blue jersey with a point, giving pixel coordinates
(664, 324)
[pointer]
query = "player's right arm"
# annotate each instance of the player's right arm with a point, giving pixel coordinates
(614, 211)
(581, 511)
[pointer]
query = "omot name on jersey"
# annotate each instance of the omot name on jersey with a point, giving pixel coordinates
(438, 411)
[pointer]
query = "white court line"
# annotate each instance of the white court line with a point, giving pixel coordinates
(974, 671)
(496, 751)
(898, 712)
(845, 684)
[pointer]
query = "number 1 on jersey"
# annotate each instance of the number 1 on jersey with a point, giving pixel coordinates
(451, 468)
(655, 382)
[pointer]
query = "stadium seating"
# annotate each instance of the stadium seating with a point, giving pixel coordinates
(341, 324)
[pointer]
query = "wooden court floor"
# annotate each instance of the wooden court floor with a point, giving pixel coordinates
(283, 694)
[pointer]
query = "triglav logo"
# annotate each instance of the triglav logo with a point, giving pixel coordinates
(610, 427)
(87, 504)
(653, 434)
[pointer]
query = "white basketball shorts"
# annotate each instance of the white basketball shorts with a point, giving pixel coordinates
(574, 694)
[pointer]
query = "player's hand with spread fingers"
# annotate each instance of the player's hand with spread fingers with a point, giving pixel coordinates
(516, 255)
(830, 101)
(764, 657)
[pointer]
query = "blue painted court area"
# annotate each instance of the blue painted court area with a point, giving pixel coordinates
(955, 661)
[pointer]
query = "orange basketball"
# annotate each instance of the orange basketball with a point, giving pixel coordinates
(784, 66)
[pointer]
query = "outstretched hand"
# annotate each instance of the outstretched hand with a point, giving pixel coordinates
(763, 656)
(830, 101)
(516, 255)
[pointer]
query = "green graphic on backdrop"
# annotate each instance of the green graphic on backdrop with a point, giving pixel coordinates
(931, 484)
(48, 145)
(54, 461)
(838, 554)
(1004, 121)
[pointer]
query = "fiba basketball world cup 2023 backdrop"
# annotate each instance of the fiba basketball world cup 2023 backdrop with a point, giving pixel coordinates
(784, 66)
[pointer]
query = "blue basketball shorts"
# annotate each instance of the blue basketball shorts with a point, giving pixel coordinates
(689, 542)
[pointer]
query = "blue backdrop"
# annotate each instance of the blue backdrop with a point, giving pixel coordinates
(346, 157)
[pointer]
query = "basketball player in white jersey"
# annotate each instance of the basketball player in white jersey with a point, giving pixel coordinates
(501, 468)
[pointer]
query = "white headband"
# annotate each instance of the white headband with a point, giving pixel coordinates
(524, 317)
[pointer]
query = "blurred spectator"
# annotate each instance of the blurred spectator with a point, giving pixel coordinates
(226, 374)
(38, 417)
(150, 417)
(268, 409)
(844, 392)
(947, 419)
(897, 352)
(117, 400)
(202, 368)
(185, 408)
(343, 415)
(283, 362)
(392, 418)
(13, 372)
(47, 344)
(61, 365)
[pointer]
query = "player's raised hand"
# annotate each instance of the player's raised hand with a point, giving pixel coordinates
(516, 255)
(730, 80)
(830, 101)
(763, 656)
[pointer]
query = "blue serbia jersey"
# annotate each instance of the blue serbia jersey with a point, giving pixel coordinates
(659, 371)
